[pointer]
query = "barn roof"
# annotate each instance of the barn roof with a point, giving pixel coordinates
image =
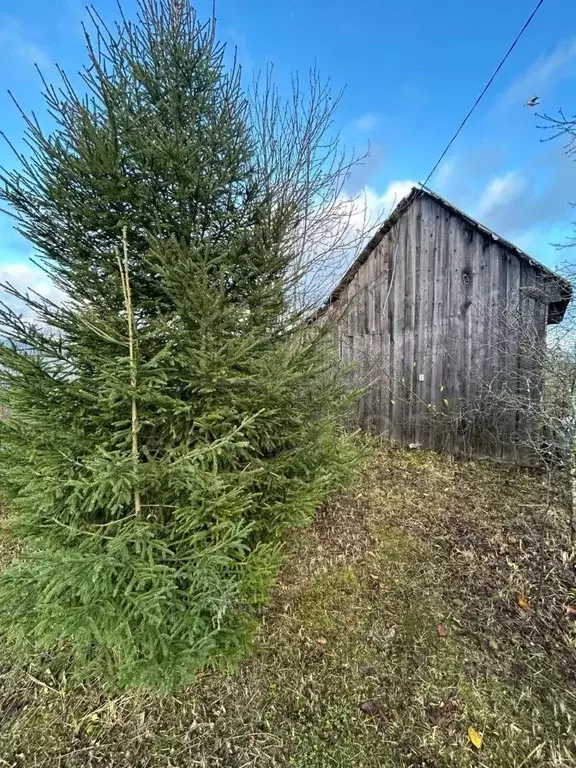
(557, 308)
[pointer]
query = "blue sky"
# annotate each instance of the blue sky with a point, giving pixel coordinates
(411, 70)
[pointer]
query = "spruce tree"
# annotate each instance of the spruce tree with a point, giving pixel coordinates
(173, 418)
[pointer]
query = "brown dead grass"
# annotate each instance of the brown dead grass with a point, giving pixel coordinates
(349, 667)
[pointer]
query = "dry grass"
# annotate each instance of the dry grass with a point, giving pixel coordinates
(349, 667)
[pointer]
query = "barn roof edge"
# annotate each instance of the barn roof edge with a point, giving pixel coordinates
(557, 308)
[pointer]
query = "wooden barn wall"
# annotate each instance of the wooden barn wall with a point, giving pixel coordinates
(428, 321)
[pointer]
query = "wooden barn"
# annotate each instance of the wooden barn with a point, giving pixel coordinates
(444, 322)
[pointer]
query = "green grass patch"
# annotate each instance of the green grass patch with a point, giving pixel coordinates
(395, 626)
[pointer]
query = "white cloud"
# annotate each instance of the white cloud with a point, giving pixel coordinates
(500, 190)
(15, 43)
(543, 74)
(369, 209)
(336, 233)
(25, 277)
(18, 268)
(367, 122)
(393, 193)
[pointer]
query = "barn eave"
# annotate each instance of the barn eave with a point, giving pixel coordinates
(556, 308)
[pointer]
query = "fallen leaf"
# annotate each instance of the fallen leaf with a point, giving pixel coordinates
(523, 602)
(570, 612)
(321, 640)
(475, 737)
(442, 631)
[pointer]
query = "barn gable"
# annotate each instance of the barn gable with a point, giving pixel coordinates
(432, 313)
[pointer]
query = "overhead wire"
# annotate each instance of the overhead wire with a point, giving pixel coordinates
(483, 91)
(468, 115)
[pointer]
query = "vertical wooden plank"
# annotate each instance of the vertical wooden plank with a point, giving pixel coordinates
(431, 223)
(344, 313)
(380, 281)
(400, 334)
(385, 265)
(358, 343)
(464, 277)
(393, 249)
(359, 315)
(408, 327)
(499, 343)
(479, 353)
(490, 362)
(531, 346)
(371, 353)
(416, 403)
(454, 337)
(436, 345)
(375, 350)
(541, 324)
(512, 342)
(395, 338)
(448, 343)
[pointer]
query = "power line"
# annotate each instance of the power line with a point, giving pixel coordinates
(481, 96)
(458, 130)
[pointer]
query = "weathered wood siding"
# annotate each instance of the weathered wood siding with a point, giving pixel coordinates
(434, 320)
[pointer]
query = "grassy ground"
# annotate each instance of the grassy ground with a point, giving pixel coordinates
(429, 600)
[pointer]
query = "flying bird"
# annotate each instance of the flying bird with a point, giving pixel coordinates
(532, 101)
